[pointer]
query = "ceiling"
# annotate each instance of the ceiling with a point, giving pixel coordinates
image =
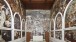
(37, 4)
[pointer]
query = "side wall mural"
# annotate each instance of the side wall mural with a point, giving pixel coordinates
(5, 22)
(7, 10)
(70, 22)
(68, 31)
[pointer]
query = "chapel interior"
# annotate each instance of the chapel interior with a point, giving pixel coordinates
(37, 20)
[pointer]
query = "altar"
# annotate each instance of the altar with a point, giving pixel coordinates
(37, 39)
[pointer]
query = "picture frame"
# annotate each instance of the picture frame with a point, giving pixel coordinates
(58, 22)
(17, 34)
(58, 34)
(71, 15)
(23, 24)
(23, 34)
(6, 35)
(70, 35)
(17, 22)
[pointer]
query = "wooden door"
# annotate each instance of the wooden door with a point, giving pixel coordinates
(47, 36)
(28, 36)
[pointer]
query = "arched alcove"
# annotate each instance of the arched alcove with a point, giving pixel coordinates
(5, 15)
(70, 14)
(70, 21)
(17, 21)
(17, 25)
(23, 27)
(52, 24)
(6, 20)
(58, 26)
(52, 27)
(58, 21)
(23, 24)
